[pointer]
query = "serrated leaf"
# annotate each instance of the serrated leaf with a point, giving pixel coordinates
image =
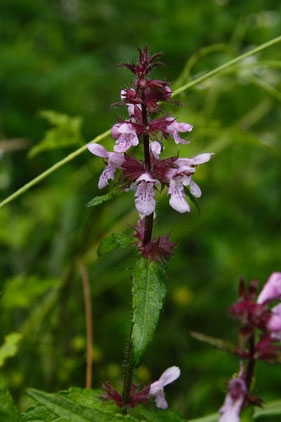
(226, 346)
(74, 412)
(10, 347)
(97, 200)
(8, 410)
(89, 398)
(39, 413)
(148, 296)
(66, 132)
(158, 415)
(114, 241)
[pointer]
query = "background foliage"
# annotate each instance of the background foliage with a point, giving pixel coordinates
(60, 56)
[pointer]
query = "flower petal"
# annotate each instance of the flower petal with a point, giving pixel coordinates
(145, 202)
(155, 148)
(274, 322)
(98, 150)
(177, 200)
(106, 175)
(202, 158)
(170, 375)
(161, 401)
(195, 190)
(271, 290)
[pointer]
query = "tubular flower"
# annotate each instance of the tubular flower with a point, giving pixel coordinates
(145, 202)
(234, 399)
(157, 388)
(114, 162)
(126, 136)
(174, 128)
(180, 177)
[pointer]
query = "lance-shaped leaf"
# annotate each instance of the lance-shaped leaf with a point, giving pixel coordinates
(71, 411)
(226, 346)
(8, 410)
(98, 200)
(148, 296)
(114, 241)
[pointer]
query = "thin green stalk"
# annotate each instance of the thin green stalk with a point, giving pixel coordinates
(226, 65)
(185, 87)
(56, 166)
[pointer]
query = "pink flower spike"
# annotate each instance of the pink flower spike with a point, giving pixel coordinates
(145, 202)
(271, 289)
(157, 388)
(114, 162)
(174, 128)
(126, 136)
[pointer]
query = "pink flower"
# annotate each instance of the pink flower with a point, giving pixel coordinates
(174, 128)
(274, 322)
(145, 202)
(180, 177)
(155, 149)
(114, 162)
(126, 136)
(271, 290)
(231, 408)
(157, 388)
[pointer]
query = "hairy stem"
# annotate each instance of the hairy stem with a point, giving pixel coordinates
(89, 321)
(251, 363)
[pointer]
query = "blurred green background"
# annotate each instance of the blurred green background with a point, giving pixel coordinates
(61, 56)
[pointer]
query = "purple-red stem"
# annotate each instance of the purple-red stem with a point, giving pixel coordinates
(251, 363)
(149, 218)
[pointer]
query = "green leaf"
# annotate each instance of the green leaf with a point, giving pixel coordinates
(89, 398)
(158, 415)
(10, 347)
(8, 410)
(39, 413)
(74, 412)
(66, 132)
(269, 409)
(226, 346)
(148, 296)
(97, 200)
(114, 241)
(209, 418)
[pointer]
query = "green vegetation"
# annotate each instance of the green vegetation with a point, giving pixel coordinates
(61, 57)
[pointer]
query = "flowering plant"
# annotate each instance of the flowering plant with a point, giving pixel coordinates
(144, 177)
(137, 163)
